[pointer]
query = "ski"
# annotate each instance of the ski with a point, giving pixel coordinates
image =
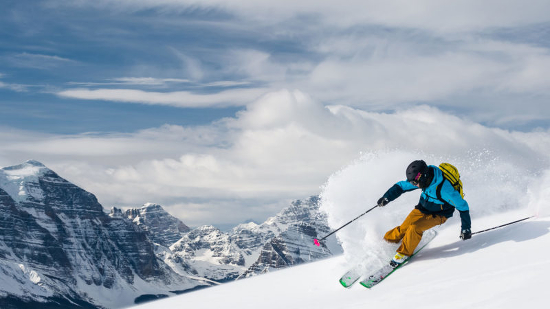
(380, 275)
(351, 276)
(355, 273)
(387, 269)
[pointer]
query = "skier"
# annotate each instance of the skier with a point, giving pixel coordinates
(429, 212)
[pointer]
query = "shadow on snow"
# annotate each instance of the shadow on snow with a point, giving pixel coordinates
(521, 232)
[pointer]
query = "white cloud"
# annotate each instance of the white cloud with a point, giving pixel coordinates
(11, 86)
(14, 87)
(485, 80)
(38, 61)
(191, 67)
(433, 15)
(255, 64)
(158, 82)
(139, 81)
(400, 71)
(415, 78)
(283, 146)
(232, 97)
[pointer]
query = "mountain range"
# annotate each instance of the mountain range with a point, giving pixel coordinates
(60, 248)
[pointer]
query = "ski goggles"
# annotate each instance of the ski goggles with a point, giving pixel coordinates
(416, 179)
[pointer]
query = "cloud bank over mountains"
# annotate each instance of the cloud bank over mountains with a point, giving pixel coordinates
(285, 144)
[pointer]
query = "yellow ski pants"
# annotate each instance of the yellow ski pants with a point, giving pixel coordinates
(411, 230)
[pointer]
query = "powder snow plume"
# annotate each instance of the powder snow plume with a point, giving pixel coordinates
(492, 184)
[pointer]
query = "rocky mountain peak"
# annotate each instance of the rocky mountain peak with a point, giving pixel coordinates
(34, 163)
(164, 228)
(28, 170)
(26, 165)
(32, 183)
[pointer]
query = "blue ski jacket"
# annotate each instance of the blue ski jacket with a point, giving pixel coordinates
(429, 202)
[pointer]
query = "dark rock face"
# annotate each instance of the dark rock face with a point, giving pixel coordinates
(11, 302)
(163, 228)
(59, 236)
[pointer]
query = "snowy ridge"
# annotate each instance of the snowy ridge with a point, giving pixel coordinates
(249, 249)
(296, 227)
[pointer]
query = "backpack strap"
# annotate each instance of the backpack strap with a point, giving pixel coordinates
(438, 193)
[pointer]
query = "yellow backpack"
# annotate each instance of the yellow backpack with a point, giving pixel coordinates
(451, 174)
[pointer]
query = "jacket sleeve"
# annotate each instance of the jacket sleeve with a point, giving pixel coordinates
(453, 197)
(397, 189)
(465, 219)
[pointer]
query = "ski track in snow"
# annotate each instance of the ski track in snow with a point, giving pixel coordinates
(502, 268)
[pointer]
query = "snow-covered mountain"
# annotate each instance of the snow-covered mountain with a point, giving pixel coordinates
(59, 248)
(248, 249)
(163, 228)
(295, 228)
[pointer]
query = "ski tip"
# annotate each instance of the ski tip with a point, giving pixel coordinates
(344, 284)
(316, 242)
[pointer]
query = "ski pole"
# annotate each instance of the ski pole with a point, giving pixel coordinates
(496, 227)
(316, 241)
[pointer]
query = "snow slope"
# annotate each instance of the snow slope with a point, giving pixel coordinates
(503, 268)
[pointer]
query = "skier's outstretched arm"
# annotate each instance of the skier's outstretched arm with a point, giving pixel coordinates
(395, 191)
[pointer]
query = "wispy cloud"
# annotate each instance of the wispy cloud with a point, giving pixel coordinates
(231, 97)
(160, 82)
(190, 65)
(226, 83)
(38, 61)
(149, 80)
(432, 15)
(134, 81)
(13, 87)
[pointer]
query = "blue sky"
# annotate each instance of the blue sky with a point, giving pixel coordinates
(215, 109)
(47, 49)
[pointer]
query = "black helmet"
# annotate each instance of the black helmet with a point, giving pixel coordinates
(417, 171)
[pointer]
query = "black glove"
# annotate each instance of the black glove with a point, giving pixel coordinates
(383, 202)
(466, 234)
